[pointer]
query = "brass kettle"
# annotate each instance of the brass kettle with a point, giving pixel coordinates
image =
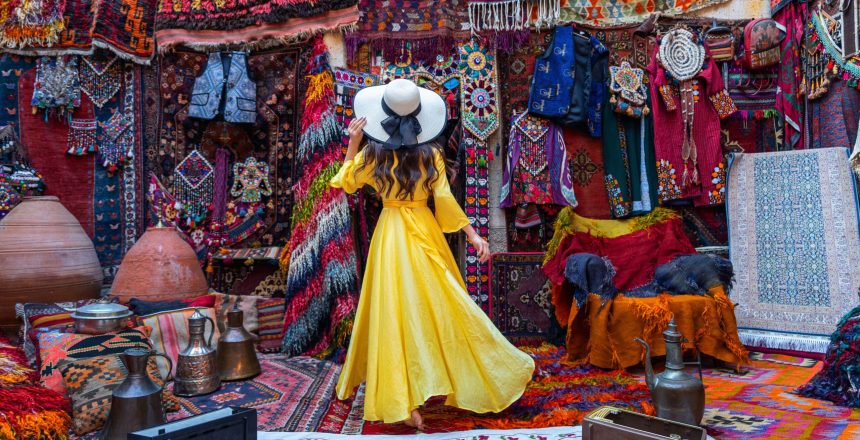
(196, 366)
(136, 402)
(237, 358)
(676, 395)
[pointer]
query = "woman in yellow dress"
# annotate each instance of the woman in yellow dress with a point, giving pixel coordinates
(417, 333)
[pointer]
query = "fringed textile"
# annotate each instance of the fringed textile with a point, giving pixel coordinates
(29, 22)
(322, 279)
(839, 378)
(513, 15)
(610, 12)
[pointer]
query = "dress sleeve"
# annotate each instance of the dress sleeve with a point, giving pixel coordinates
(349, 178)
(449, 215)
(723, 103)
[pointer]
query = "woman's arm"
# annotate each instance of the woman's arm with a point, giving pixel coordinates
(479, 243)
(356, 134)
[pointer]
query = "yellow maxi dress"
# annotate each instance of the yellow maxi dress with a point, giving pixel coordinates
(417, 333)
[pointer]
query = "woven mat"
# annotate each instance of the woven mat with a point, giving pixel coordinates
(520, 297)
(794, 242)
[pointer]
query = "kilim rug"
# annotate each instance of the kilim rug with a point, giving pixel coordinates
(520, 296)
(607, 12)
(560, 394)
(761, 404)
(291, 394)
(585, 154)
(215, 23)
(568, 432)
(793, 237)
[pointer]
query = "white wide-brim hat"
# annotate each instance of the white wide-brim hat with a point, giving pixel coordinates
(398, 102)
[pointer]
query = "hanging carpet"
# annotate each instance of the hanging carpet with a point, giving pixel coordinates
(793, 234)
(215, 23)
(608, 12)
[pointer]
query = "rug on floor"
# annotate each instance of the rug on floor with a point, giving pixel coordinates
(567, 432)
(560, 394)
(762, 405)
(793, 227)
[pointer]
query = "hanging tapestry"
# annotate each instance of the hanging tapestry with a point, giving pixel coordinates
(513, 15)
(422, 28)
(346, 84)
(587, 172)
(520, 298)
(171, 134)
(57, 86)
(793, 227)
(515, 72)
(126, 28)
(322, 278)
(28, 22)
(76, 37)
(480, 113)
(477, 208)
(788, 99)
(215, 24)
(101, 77)
(608, 12)
(833, 119)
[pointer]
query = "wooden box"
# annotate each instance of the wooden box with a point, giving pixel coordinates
(607, 423)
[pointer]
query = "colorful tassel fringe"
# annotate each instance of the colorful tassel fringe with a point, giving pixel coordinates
(322, 277)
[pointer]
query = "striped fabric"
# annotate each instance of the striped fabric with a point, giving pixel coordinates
(247, 304)
(270, 317)
(170, 334)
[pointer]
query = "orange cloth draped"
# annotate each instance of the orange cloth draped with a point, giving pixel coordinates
(603, 336)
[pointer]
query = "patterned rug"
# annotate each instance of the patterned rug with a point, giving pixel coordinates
(215, 23)
(289, 395)
(560, 394)
(567, 432)
(794, 235)
(520, 297)
(587, 173)
(762, 405)
(607, 12)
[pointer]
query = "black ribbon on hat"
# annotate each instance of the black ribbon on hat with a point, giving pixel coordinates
(403, 131)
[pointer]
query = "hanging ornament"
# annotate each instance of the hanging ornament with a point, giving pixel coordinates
(82, 137)
(193, 185)
(628, 91)
(682, 57)
(251, 180)
(57, 86)
(101, 78)
(117, 141)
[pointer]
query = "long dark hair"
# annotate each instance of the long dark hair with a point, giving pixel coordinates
(412, 163)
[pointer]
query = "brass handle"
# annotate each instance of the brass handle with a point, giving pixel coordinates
(169, 363)
(212, 333)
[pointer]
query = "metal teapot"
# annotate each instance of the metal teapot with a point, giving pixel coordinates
(237, 358)
(196, 366)
(136, 402)
(676, 395)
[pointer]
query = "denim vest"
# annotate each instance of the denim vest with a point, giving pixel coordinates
(241, 96)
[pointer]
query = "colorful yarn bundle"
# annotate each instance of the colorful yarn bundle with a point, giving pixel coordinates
(839, 378)
(322, 278)
(28, 411)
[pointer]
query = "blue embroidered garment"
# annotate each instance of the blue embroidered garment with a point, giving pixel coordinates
(552, 82)
(241, 96)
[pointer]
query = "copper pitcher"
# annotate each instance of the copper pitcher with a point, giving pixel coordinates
(196, 367)
(237, 358)
(136, 403)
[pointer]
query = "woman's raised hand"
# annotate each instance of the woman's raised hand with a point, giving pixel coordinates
(356, 131)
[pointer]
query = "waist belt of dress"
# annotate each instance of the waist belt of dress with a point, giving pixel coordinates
(404, 203)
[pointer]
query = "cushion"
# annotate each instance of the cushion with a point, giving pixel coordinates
(55, 347)
(141, 307)
(170, 333)
(90, 384)
(27, 312)
(247, 304)
(270, 319)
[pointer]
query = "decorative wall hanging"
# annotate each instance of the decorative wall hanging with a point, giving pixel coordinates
(628, 91)
(57, 87)
(132, 176)
(101, 78)
(237, 89)
(193, 185)
(423, 28)
(822, 42)
(251, 180)
(480, 113)
(9, 198)
(477, 208)
(249, 22)
(126, 28)
(117, 140)
(609, 12)
(82, 137)
(29, 22)
(346, 84)
(513, 15)
(320, 261)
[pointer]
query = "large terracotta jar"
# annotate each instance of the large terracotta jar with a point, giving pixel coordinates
(160, 266)
(45, 256)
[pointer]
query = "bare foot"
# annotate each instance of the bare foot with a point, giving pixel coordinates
(416, 421)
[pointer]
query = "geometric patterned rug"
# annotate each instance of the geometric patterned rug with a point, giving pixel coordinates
(520, 298)
(761, 404)
(794, 243)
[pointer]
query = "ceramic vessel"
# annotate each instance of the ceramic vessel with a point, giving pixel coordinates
(45, 257)
(160, 266)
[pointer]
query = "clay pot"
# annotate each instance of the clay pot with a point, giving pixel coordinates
(45, 257)
(160, 266)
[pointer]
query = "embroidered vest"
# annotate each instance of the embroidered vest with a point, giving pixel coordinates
(241, 96)
(552, 82)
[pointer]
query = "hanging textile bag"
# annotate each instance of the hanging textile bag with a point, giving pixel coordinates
(762, 38)
(720, 43)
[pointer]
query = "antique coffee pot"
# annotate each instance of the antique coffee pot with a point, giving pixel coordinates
(237, 358)
(196, 367)
(677, 395)
(135, 403)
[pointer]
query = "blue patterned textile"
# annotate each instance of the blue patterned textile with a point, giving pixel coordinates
(552, 82)
(241, 96)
